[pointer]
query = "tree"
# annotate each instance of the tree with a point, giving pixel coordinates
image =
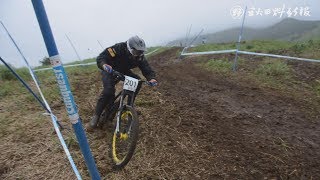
(45, 61)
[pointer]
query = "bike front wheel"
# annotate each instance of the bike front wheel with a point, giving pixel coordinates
(124, 141)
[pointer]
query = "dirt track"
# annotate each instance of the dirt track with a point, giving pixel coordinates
(201, 125)
(228, 129)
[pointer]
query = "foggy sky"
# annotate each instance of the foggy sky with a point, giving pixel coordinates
(156, 21)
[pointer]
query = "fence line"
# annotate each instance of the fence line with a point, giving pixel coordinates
(279, 56)
(86, 64)
(208, 52)
(72, 65)
(152, 52)
(249, 53)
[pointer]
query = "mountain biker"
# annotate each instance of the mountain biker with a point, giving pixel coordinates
(121, 57)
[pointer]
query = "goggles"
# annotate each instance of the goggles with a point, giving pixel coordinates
(137, 52)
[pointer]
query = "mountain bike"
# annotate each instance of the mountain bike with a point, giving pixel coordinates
(126, 126)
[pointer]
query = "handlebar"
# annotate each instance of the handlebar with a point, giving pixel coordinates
(121, 77)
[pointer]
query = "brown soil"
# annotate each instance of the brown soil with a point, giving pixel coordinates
(195, 125)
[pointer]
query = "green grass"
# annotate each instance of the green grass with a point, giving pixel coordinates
(219, 65)
(7, 88)
(51, 93)
(6, 74)
(254, 46)
(269, 72)
(11, 88)
(10, 85)
(307, 49)
(48, 75)
(274, 73)
(317, 87)
(265, 46)
(51, 90)
(273, 68)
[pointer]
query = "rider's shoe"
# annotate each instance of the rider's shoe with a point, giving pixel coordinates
(93, 123)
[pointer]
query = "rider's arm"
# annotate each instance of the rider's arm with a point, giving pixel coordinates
(146, 70)
(106, 58)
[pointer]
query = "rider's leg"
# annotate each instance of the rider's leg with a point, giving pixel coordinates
(106, 97)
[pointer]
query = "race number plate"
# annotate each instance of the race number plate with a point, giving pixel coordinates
(130, 83)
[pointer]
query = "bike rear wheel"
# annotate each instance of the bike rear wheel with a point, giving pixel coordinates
(124, 142)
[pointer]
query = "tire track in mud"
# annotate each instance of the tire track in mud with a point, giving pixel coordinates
(240, 130)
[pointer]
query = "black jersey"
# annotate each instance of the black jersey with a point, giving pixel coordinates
(120, 59)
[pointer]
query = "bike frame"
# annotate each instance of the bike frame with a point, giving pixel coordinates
(122, 94)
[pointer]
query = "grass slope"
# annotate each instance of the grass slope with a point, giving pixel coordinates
(286, 30)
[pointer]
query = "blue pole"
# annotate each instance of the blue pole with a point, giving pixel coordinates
(64, 86)
(239, 41)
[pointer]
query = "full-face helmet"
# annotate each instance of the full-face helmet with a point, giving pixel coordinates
(136, 46)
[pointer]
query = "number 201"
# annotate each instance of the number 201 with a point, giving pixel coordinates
(130, 83)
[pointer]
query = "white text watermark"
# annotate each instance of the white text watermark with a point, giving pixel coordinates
(279, 12)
